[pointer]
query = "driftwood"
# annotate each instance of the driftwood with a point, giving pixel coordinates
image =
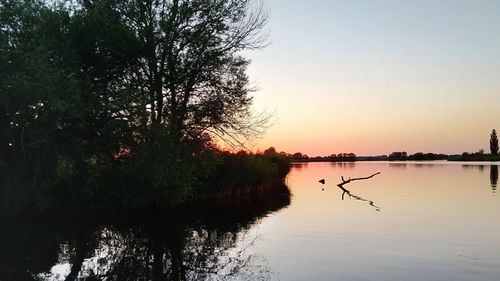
(341, 186)
(354, 179)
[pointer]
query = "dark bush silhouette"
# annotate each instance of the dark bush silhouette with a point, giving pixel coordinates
(398, 156)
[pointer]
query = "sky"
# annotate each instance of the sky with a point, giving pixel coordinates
(373, 77)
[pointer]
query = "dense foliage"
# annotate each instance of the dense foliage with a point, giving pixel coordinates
(350, 157)
(427, 156)
(119, 101)
(244, 168)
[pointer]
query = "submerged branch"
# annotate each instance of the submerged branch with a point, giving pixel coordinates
(341, 186)
(355, 179)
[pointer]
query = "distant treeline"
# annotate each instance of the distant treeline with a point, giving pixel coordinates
(481, 155)
(477, 156)
(341, 157)
(350, 157)
(402, 156)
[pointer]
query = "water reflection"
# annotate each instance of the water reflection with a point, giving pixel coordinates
(479, 167)
(494, 177)
(205, 244)
(349, 165)
(299, 165)
(426, 165)
(344, 191)
(397, 165)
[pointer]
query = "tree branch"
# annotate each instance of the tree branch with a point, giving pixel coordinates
(354, 179)
(341, 185)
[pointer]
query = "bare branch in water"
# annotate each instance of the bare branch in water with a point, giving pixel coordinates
(341, 186)
(355, 179)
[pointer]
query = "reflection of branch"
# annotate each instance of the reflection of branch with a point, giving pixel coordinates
(341, 185)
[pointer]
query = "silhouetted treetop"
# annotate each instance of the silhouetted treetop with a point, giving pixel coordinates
(94, 89)
(494, 142)
(398, 156)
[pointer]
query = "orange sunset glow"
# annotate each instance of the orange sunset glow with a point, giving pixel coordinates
(376, 77)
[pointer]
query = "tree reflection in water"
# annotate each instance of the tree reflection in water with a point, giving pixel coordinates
(494, 177)
(201, 244)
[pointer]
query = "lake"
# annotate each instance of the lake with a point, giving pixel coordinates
(413, 221)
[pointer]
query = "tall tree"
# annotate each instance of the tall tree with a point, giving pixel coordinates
(191, 77)
(85, 81)
(99, 72)
(494, 142)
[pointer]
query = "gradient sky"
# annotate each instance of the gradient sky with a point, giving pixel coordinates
(372, 77)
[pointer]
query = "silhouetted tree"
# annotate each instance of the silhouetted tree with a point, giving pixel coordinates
(494, 142)
(270, 150)
(191, 75)
(427, 156)
(90, 89)
(398, 156)
(128, 67)
(346, 157)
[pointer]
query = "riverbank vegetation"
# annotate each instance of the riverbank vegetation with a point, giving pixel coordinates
(341, 157)
(419, 156)
(403, 155)
(477, 156)
(125, 103)
(397, 156)
(481, 155)
(351, 157)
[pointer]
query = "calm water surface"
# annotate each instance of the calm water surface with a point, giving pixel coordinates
(414, 221)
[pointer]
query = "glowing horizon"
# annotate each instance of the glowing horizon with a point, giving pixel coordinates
(373, 78)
